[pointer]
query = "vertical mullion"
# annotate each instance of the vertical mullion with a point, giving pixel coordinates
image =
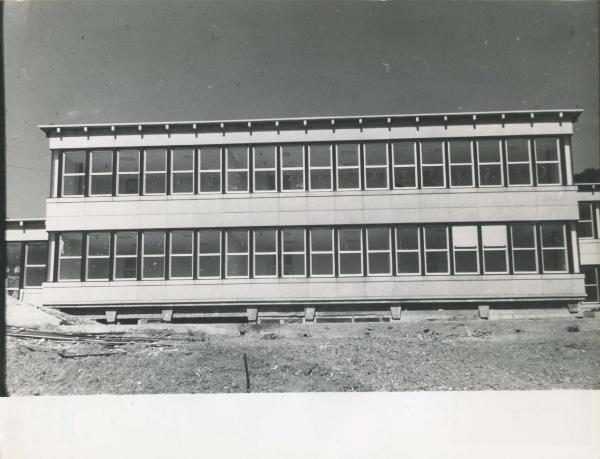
(307, 251)
(250, 239)
(562, 161)
(450, 248)
(250, 164)
(532, 161)
(365, 252)
(509, 249)
(392, 239)
(223, 169)
(336, 253)
(114, 173)
(59, 185)
(56, 255)
(195, 174)
(111, 255)
(390, 166)
(306, 167)
(167, 239)
(504, 160)
(223, 253)
(278, 167)
(169, 168)
(332, 152)
(87, 176)
(446, 159)
(538, 229)
(480, 250)
(142, 163)
(139, 255)
(279, 252)
(568, 247)
(195, 254)
(475, 162)
(22, 264)
(421, 232)
(84, 238)
(417, 148)
(362, 171)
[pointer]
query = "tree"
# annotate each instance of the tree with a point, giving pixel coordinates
(589, 175)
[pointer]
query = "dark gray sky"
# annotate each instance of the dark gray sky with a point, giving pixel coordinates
(100, 61)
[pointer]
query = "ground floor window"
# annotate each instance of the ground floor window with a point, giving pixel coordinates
(592, 283)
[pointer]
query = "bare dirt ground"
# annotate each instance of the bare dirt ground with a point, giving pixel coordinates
(412, 356)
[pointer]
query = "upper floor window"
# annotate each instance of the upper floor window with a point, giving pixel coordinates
(155, 171)
(319, 164)
(379, 251)
(265, 168)
(408, 249)
(237, 169)
(209, 253)
(461, 163)
(348, 166)
(494, 239)
(437, 260)
(153, 255)
(101, 172)
(376, 166)
(128, 172)
(98, 256)
(265, 253)
(182, 170)
(547, 160)
(182, 254)
(585, 225)
(69, 256)
(321, 252)
(433, 164)
(294, 252)
(404, 157)
(36, 254)
(554, 247)
(524, 248)
(237, 250)
(73, 173)
(518, 159)
(209, 174)
(292, 167)
(489, 159)
(350, 252)
(466, 253)
(126, 253)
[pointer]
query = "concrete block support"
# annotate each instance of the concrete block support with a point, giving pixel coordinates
(252, 314)
(395, 312)
(111, 316)
(309, 314)
(484, 311)
(573, 308)
(167, 315)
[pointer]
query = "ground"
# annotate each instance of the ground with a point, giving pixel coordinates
(403, 356)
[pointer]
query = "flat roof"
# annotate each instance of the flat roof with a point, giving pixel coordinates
(414, 118)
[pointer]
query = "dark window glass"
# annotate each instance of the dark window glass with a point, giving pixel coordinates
(350, 251)
(348, 165)
(101, 172)
(183, 170)
(13, 265)
(128, 171)
(98, 253)
(73, 185)
(436, 262)
(465, 261)
(404, 164)
(74, 162)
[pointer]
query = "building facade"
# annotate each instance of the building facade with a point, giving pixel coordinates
(588, 230)
(311, 218)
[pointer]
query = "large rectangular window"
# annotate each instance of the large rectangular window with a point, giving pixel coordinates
(128, 172)
(209, 173)
(237, 249)
(592, 276)
(348, 166)
(554, 247)
(292, 167)
(436, 250)
(73, 173)
(265, 253)
(237, 169)
(350, 253)
(126, 253)
(182, 170)
(433, 164)
(265, 168)
(101, 172)
(36, 256)
(153, 255)
(466, 249)
(405, 164)
(98, 256)
(209, 254)
(294, 252)
(379, 251)
(408, 250)
(585, 225)
(547, 160)
(181, 254)
(489, 158)
(69, 256)
(461, 163)
(321, 252)
(319, 163)
(155, 171)
(518, 159)
(494, 239)
(524, 248)
(376, 166)
(13, 265)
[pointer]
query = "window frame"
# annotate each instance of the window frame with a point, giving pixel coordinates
(557, 161)
(471, 249)
(173, 255)
(273, 169)
(228, 169)
(596, 284)
(340, 252)
(73, 174)
(533, 249)
(247, 254)
(563, 248)
(375, 251)
(199, 254)
(320, 168)
(499, 163)
(404, 166)
(119, 173)
(442, 164)
(145, 256)
(322, 252)
(509, 162)
(135, 256)
(26, 265)
(93, 174)
(68, 257)
(163, 172)
(451, 163)
(173, 173)
(302, 168)
(96, 257)
(495, 249)
(210, 171)
(447, 250)
(385, 166)
(417, 251)
(357, 167)
(592, 208)
(256, 253)
(284, 252)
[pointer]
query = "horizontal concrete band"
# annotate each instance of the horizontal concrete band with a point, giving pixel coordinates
(589, 251)
(25, 235)
(311, 135)
(314, 208)
(393, 289)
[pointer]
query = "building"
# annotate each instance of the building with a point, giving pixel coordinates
(588, 230)
(314, 218)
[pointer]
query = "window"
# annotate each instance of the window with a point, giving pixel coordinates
(321, 252)
(585, 225)
(292, 167)
(436, 250)
(153, 255)
(237, 169)
(210, 170)
(155, 167)
(348, 166)
(433, 164)
(98, 256)
(182, 170)
(294, 252)
(101, 172)
(209, 254)
(265, 253)
(554, 248)
(466, 249)
(405, 164)
(461, 163)
(519, 161)
(73, 173)
(494, 239)
(591, 283)
(69, 256)
(379, 251)
(126, 252)
(489, 155)
(236, 246)
(350, 252)
(128, 172)
(319, 163)
(265, 168)
(524, 248)
(36, 254)
(547, 160)
(182, 255)
(376, 166)
(13, 265)
(408, 250)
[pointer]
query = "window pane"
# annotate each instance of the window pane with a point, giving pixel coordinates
(404, 153)
(293, 265)
(237, 241)
(408, 263)
(292, 156)
(292, 180)
(350, 263)
(460, 151)
(101, 161)
(264, 156)
(348, 179)
(552, 235)
(70, 269)
(156, 183)
(590, 274)
(264, 180)
(432, 152)
(525, 261)
(210, 241)
(154, 268)
(404, 177)
(99, 244)
(74, 162)
(523, 236)
(210, 158)
(494, 261)
(464, 236)
(407, 238)
(237, 265)
(209, 266)
(156, 159)
(210, 182)
(183, 182)
(433, 176)
(101, 184)
(129, 161)
(517, 149)
(97, 268)
(546, 149)
(518, 174)
(265, 240)
(591, 294)
(70, 244)
(126, 268)
(237, 181)
(320, 155)
(181, 242)
(237, 158)
(379, 263)
(320, 179)
(322, 264)
(585, 211)
(293, 240)
(126, 243)
(435, 237)
(376, 177)
(437, 262)
(490, 174)
(347, 154)
(265, 265)
(183, 159)
(489, 151)
(375, 154)
(35, 276)
(73, 185)
(181, 266)
(494, 236)
(321, 240)
(350, 239)
(13, 264)
(548, 174)
(461, 175)
(465, 261)
(37, 253)
(154, 243)
(128, 184)
(585, 229)
(378, 239)
(554, 260)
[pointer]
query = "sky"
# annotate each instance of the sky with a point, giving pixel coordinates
(98, 61)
